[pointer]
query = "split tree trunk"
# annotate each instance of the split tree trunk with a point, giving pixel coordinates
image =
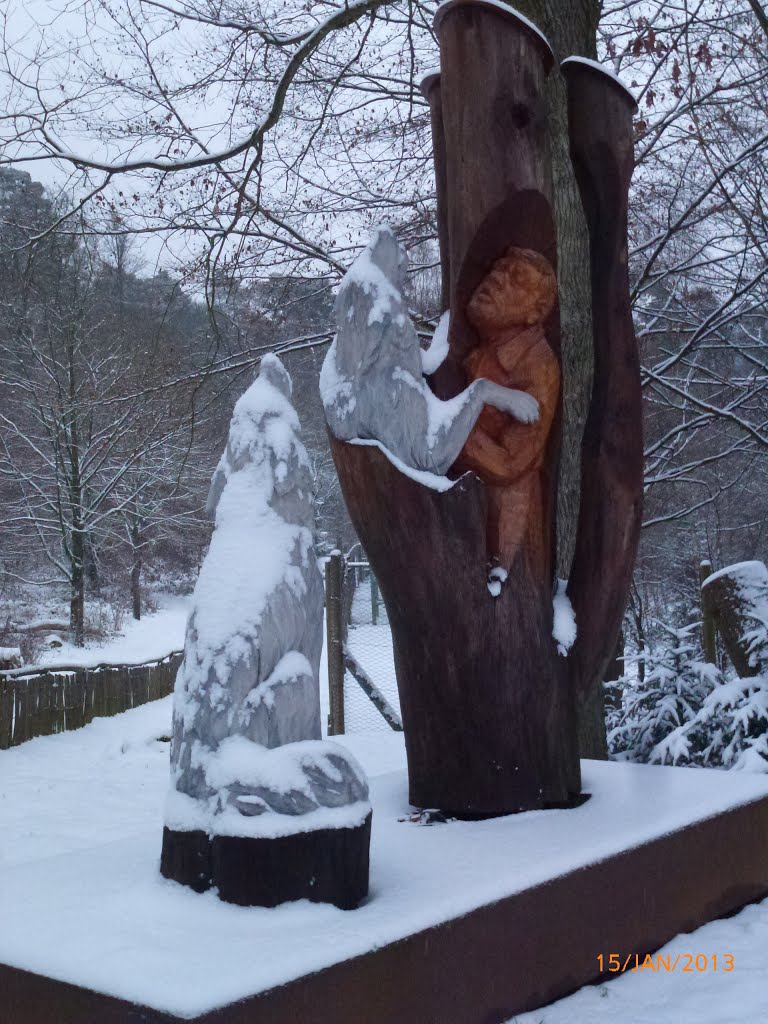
(600, 115)
(571, 28)
(488, 706)
(487, 709)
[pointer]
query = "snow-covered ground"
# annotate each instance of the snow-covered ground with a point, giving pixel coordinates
(80, 822)
(152, 637)
(739, 996)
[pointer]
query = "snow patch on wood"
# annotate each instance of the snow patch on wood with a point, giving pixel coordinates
(564, 620)
(596, 66)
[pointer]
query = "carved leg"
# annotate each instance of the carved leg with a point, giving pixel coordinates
(509, 516)
(486, 457)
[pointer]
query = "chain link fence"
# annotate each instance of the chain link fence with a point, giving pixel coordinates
(361, 670)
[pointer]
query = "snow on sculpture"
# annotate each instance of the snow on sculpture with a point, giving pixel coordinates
(491, 673)
(372, 383)
(247, 759)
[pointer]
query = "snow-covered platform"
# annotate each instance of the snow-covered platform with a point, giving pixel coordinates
(466, 922)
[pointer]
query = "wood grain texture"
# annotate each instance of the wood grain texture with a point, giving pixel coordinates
(487, 711)
(325, 866)
(430, 88)
(61, 698)
(486, 706)
(497, 166)
(508, 310)
(735, 612)
(600, 118)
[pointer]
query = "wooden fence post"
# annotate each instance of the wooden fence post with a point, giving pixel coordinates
(335, 631)
(708, 632)
(374, 601)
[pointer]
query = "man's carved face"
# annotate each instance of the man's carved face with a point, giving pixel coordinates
(519, 291)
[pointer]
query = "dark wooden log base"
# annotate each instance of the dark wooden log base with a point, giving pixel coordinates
(325, 866)
(186, 858)
(498, 961)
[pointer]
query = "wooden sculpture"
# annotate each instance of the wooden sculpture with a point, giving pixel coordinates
(600, 113)
(508, 310)
(466, 561)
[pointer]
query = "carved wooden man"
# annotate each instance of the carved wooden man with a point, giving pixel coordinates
(508, 310)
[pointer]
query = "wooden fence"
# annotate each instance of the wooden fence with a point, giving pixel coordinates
(41, 702)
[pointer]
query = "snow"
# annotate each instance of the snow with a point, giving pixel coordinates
(83, 899)
(151, 638)
(371, 646)
(497, 577)
(603, 70)
(431, 480)
(373, 281)
(291, 666)
(11, 655)
(441, 413)
(429, 73)
(746, 573)
(282, 770)
(433, 357)
(271, 826)
(336, 390)
(564, 620)
(507, 9)
(252, 551)
(709, 997)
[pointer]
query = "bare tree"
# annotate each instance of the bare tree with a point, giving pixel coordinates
(259, 141)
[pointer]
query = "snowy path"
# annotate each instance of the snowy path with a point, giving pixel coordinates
(66, 796)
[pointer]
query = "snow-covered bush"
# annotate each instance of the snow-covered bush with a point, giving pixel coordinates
(687, 712)
(730, 730)
(667, 695)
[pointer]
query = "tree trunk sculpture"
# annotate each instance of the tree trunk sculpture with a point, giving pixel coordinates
(467, 567)
(736, 598)
(600, 118)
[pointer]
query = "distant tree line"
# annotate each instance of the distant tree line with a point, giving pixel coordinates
(116, 394)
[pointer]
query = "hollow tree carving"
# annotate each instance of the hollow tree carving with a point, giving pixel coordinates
(467, 568)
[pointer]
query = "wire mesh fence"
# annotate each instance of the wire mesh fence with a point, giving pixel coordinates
(370, 697)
